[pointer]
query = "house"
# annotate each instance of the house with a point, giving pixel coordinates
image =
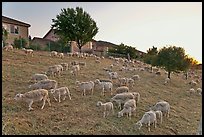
(15, 29)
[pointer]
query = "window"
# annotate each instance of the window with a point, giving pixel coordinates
(14, 29)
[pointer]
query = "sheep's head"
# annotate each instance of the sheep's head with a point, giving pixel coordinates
(18, 96)
(99, 103)
(77, 82)
(97, 81)
(52, 91)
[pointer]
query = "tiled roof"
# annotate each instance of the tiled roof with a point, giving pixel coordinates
(13, 21)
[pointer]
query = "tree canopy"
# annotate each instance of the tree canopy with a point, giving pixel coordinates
(75, 25)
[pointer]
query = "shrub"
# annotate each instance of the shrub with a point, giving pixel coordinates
(19, 43)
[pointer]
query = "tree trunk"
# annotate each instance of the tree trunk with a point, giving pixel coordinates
(169, 72)
(80, 49)
(186, 75)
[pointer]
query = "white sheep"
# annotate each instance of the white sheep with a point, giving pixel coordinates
(59, 92)
(38, 77)
(28, 51)
(192, 91)
(44, 84)
(61, 55)
(167, 80)
(53, 53)
(122, 81)
(136, 77)
(158, 115)
(130, 82)
(7, 48)
(34, 96)
(54, 70)
(85, 86)
(105, 86)
(65, 66)
(122, 89)
(113, 75)
(128, 108)
(75, 69)
(193, 83)
(163, 106)
(107, 107)
(136, 97)
(199, 91)
(83, 64)
(148, 118)
(122, 98)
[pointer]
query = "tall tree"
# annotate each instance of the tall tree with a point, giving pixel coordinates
(172, 58)
(75, 25)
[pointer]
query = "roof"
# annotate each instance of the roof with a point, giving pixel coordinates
(13, 21)
(48, 32)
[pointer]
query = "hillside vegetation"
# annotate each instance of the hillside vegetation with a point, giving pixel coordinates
(81, 115)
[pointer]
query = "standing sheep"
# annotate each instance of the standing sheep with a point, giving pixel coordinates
(61, 91)
(38, 77)
(128, 108)
(107, 107)
(84, 86)
(122, 89)
(105, 86)
(34, 96)
(44, 84)
(163, 106)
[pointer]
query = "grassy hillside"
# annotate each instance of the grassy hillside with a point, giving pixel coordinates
(80, 115)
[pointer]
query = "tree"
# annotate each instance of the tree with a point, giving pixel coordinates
(149, 58)
(75, 25)
(172, 59)
(19, 43)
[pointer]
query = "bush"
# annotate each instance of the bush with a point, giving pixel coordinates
(19, 43)
(35, 47)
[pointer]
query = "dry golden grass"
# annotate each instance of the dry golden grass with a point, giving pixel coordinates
(80, 115)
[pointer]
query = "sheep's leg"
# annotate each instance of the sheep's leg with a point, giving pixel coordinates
(104, 114)
(55, 98)
(64, 97)
(92, 91)
(59, 98)
(44, 99)
(155, 123)
(161, 119)
(48, 100)
(30, 104)
(69, 96)
(149, 126)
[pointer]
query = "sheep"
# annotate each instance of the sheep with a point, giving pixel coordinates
(158, 115)
(163, 106)
(84, 86)
(28, 51)
(191, 91)
(74, 70)
(105, 86)
(128, 108)
(34, 96)
(122, 89)
(158, 73)
(65, 66)
(122, 81)
(53, 53)
(136, 77)
(97, 61)
(193, 83)
(61, 55)
(136, 96)
(74, 62)
(130, 82)
(148, 118)
(167, 80)
(107, 107)
(82, 64)
(61, 91)
(7, 48)
(38, 77)
(199, 91)
(113, 75)
(122, 98)
(54, 70)
(44, 84)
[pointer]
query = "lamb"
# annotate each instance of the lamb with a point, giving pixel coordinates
(136, 96)
(34, 96)
(148, 118)
(122, 89)
(107, 107)
(84, 86)
(44, 84)
(163, 106)
(113, 75)
(7, 48)
(53, 53)
(105, 86)
(129, 108)
(122, 98)
(61, 91)
(38, 77)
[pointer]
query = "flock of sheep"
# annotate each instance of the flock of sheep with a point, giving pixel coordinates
(126, 100)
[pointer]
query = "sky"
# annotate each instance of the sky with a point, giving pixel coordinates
(137, 24)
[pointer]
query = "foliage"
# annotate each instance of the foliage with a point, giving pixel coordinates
(58, 46)
(123, 50)
(19, 43)
(150, 57)
(75, 25)
(172, 58)
(4, 36)
(35, 47)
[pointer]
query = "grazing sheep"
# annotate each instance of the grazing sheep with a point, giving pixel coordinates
(82, 64)
(113, 75)
(122, 89)
(61, 55)
(158, 115)
(192, 91)
(34, 96)
(54, 70)
(28, 51)
(136, 97)
(65, 66)
(61, 91)
(122, 98)
(7, 48)
(74, 70)
(148, 118)
(130, 82)
(199, 91)
(122, 81)
(84, 86)
(193, 83)
(53, 53)
(105, 86)
(128, 108)
(107, 107)
(38, 77)
(136, 77)
(44, 84)
(163, 106)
